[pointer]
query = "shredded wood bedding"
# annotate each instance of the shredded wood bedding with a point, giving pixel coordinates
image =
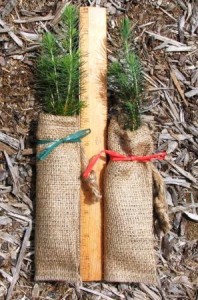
(165, 34)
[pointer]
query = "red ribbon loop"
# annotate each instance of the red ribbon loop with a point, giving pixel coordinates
(114, 156)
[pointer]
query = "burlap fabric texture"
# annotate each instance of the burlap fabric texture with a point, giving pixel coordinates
(57, 203)
(128, 209)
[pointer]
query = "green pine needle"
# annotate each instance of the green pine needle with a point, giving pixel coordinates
(58, 68)
(126, 79)
(126, 34)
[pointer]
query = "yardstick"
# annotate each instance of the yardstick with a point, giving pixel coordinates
(94, 116)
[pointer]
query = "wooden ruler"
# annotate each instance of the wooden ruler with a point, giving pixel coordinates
(93, 116)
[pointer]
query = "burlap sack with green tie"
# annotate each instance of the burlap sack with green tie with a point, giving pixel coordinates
(57, 203)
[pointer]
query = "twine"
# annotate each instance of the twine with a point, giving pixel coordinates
(91, 181)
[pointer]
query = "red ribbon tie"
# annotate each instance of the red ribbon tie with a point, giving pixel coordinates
(114, 156)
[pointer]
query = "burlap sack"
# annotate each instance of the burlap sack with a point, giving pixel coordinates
(57, 203)
(128, 209)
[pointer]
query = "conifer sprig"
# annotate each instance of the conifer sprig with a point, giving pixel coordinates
(126, 79)
(58, 68)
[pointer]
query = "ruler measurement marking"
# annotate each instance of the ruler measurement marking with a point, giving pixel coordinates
(94, 116)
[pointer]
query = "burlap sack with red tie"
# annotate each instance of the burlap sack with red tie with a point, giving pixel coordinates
(129, 254)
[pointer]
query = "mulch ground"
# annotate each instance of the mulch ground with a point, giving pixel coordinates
(165, 35)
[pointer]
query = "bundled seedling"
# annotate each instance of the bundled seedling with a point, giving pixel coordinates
(126, 79)
(58, 153)
(130, 176)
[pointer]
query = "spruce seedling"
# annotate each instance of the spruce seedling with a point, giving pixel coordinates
(58, 67)
(126, 79)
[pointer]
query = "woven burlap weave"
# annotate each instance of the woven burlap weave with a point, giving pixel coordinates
(128, 209)
(57, 203)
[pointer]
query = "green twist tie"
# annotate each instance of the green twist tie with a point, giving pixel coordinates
(72, 138)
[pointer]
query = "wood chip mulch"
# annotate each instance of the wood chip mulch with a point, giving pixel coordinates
(166, 37)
